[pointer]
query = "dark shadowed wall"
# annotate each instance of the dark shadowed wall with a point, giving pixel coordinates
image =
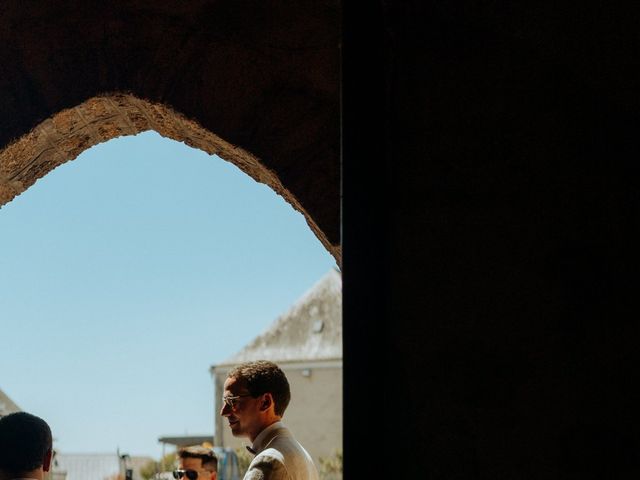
(490, 243)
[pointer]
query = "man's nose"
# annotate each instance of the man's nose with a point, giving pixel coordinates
(225, 409)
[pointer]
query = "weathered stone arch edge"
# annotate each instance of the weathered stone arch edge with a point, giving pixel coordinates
(68, 133)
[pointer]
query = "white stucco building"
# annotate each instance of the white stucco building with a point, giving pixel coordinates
(306, 342)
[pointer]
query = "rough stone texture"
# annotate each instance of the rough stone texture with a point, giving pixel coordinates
(68, 133)
(255, 81)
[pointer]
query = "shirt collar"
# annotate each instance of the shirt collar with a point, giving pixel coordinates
(260, 441)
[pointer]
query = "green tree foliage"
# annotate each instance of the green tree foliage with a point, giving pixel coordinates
(331, 467)
(244, 460)
(166, 464)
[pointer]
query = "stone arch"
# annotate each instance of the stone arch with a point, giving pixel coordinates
(65, 135)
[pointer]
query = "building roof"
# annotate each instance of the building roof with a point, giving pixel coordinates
(7, 405)
(310, 330)
(186, 440)
(88, 466)
(96, 466)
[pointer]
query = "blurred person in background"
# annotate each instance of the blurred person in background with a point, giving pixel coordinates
(197, 463)
(25, 447)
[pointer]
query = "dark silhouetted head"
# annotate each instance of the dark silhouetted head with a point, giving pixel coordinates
(25, 444)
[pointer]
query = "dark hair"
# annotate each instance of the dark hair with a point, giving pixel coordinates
(209, 459)
(24, 442)
(262, 377)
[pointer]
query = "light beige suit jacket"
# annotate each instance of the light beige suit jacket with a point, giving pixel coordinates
(280, 457)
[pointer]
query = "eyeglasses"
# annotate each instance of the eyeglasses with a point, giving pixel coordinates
(232, 400)
(190, 474)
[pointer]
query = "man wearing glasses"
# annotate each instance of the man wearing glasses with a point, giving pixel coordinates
(196, 463)
(256, 394)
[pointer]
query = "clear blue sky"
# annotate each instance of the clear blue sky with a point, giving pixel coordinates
(125, 274)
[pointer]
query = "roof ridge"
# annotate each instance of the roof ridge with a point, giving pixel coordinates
(324, 301)
(7, 405)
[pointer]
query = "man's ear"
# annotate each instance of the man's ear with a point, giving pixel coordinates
(214, 475)
(267, 401)
(46, 461)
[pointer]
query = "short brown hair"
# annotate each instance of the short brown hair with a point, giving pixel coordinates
(262, 377)
(24, 441)
(209, 459)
